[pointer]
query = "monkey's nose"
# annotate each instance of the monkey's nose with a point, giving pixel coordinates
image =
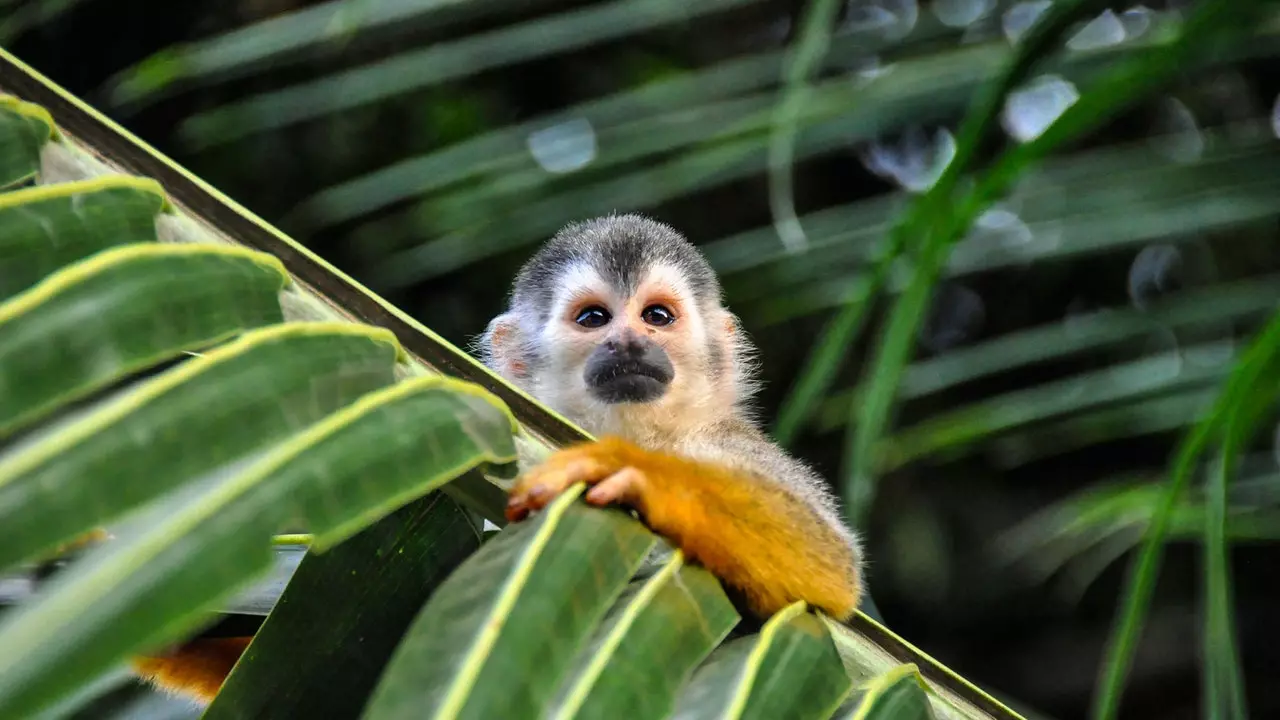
(626, 348)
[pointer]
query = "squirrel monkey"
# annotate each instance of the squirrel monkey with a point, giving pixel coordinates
(618, 324)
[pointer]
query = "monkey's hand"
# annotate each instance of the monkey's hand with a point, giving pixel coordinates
(755, 534)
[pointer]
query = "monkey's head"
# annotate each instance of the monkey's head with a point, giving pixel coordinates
(617, 322)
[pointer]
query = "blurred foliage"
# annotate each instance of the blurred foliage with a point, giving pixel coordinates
(984, 323)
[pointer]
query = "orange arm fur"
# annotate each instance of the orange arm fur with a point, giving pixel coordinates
(196, 669)
(754, 534)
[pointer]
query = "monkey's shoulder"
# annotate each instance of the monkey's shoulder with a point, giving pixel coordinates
(738, 444)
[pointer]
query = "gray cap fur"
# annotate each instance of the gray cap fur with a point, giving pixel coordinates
(619, 247)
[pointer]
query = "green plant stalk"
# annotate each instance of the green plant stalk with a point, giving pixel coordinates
(1224, 694)
(821, 366)
(1114, 92)
(1141, 579)
(815, 38)
(1223, 686)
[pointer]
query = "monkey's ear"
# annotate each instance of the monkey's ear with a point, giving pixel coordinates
(503, 348)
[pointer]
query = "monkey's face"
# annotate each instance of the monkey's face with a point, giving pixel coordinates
(621, 341)
(648, 346)
(617, 324)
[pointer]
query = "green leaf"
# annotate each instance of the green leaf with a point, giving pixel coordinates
(21, 19)
(1165, 411)
(1143, 571)
(440, 62)
(97, 321)
(301, 35)
(188, 553)
(322, 649)
(898, 694)
(1107, 200)
(820, 367)
(24, 129)
(868, 649)
(718, 151)
(1124, 382)
(818, 372)
(1094, 527)
(660, 629)
(513, 616)
(210, 411)
(44, 228)
(1219, 303)
(790, 669)
(656, 119)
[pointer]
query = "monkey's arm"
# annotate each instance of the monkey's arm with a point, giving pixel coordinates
(756, 535)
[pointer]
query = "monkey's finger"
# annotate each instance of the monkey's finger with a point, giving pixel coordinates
(559, 474)
(625, 487)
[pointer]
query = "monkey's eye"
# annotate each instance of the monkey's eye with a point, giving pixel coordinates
(658, 316)
(593, 317)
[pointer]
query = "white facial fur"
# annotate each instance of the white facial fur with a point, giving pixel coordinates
(697, 390)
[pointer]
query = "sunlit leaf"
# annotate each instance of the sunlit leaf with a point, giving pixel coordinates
(45, 228)
(791, 668)
(181, 559)
(662, 626)
(182, 424)
(97, 321)
(24, 129)
(514, 616)
(898, 694)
